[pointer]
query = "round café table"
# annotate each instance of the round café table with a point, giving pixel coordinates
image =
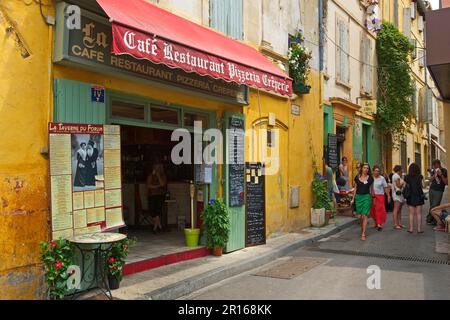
(96, 246)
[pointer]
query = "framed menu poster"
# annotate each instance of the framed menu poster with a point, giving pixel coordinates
(82, 158)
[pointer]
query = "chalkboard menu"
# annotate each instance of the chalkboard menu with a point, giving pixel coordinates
(332, 156)
(236, 162)
(255, 233)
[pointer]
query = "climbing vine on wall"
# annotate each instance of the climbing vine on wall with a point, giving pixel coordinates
(394, 81)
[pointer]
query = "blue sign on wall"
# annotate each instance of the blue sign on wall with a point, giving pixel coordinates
(98, 94)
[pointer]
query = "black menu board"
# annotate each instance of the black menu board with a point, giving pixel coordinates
(333, 160)
(236, 164)
(255, 232)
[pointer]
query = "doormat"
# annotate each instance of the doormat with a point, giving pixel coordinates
(291, 268)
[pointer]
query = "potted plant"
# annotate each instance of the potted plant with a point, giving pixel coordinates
(321, 201)
(299, 59)
(56, 256)
(116, 260)
(216, 221)
(192, 235)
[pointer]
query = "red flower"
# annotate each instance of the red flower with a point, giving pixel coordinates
(111, 260)
(58, 264)
(125, 247)
(53, 243)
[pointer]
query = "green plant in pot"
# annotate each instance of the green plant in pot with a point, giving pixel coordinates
(216, 221)
(56, 257)
(321, 200)
(116, 260)
(299, 62)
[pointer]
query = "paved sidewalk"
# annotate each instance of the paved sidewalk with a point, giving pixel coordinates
(174, 281)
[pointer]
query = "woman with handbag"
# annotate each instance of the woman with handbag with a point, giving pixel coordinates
(415, 198)
(362, 196)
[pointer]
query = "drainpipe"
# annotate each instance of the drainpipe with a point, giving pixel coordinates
(321, 37)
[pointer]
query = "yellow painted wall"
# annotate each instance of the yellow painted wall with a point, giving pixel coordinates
(24, 110)
(296, 166)
(26, 104)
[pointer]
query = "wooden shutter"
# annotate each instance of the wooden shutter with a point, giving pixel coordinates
(363, 62)
(407, 22)
(420, 24)
(226, 16)
(429, 106)
(369, 72)
(340, 53)
(346, 69)
(73, 103)
(413, 10)
(396, 13)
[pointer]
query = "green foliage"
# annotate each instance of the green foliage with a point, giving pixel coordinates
(321, 198)
(116, 257)
(56, 256)
(394, 80)
(299, 58)
(216, 220)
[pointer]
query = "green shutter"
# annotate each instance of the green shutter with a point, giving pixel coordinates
(73, 103)
(226, 16)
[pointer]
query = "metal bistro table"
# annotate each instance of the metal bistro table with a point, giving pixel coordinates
(95, 246)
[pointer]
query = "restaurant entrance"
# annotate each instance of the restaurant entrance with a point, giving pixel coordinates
(157, 218)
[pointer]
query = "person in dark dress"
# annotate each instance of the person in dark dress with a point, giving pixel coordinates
(91, 161)
(415, 198)
(81, 171)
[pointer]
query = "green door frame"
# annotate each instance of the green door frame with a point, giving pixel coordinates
(237, 232)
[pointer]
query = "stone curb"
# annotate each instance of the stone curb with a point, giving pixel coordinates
(187, 286)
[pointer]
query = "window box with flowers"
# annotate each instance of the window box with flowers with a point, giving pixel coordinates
(299, 59)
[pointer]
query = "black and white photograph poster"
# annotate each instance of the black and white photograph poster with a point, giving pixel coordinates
(87, 161)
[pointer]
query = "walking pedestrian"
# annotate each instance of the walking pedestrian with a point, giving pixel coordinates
(362, 196)
(415, 197)
(378, 211)
(397, 195)
(389, 205)
(343, 172)
(439, 180)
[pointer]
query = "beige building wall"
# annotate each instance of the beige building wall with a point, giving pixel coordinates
(354, 14)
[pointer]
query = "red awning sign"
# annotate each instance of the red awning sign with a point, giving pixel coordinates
(145, 31)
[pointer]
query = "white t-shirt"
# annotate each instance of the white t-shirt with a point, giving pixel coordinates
(379, 185)
(396, 197)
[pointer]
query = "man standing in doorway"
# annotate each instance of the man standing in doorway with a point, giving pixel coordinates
(439, 180)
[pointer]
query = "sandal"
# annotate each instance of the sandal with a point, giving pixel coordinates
(363, 238)
(420, 232)
(411, 232)
(398, 228)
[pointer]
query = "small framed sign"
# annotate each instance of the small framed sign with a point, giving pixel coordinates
(97, 94)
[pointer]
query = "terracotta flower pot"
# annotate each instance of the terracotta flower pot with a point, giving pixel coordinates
(217, 252)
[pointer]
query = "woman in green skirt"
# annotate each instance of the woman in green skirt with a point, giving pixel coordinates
(363, 196)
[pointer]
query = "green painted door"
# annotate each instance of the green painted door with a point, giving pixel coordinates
(237, 233)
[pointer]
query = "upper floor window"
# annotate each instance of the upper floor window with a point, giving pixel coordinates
(342, 53)
(226, 16)
(366, 65)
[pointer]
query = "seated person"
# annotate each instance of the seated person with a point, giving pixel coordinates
(440, 214)
(340, 191)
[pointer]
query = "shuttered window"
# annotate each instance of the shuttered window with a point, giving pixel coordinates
(226, 16)
(407, 22)
(396, 13)
(415, 101)
(343, 59)
(366, 65)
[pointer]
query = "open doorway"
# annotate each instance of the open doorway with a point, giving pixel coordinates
(141, 149)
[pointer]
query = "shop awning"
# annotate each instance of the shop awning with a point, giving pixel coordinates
(439, 146)
(145, 31)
